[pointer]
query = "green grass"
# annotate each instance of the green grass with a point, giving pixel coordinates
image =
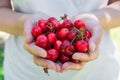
(2, 36)
(1, 64)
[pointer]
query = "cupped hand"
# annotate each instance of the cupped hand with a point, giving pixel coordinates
(92, 25)
(39, 54)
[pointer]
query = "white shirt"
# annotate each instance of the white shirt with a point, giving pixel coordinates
(19, 65)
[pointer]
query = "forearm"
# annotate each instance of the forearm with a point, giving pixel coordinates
(12, 22)
(109, 17)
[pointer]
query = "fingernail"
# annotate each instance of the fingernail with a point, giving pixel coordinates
(76, 56)
(43, 54)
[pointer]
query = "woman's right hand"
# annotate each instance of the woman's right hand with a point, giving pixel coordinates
(39, 54)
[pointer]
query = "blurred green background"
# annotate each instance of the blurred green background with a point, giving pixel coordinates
(115, 33)
(2, 37)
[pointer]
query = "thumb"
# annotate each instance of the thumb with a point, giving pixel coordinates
(35, 50)
(28, 38)
(27, 31)
(96, 38)
(92, 46)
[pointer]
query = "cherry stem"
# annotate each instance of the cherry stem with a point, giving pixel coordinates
(82, 35)
(49, 28)
(73, 40)
(46, 71)
(53, 31)
(46, 33)
(76, 29)
(64, 17)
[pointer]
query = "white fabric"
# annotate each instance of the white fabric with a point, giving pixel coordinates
(18, 63)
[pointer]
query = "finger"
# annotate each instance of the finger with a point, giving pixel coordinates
(95, 40)
(85, 56)
(58, 67)
(27, 31)
(35, 50)
(44, 63)
(72, 66)
(94, 55)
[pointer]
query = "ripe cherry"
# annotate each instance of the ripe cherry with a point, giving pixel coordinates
(42, 24)
(81, 46)
(51, 38)
(72, 34)
(36, 31)
(80, 24)
(63, 46)
(52, 54)
(53, 23)
(57, 45)
(67, 24)
(42, 41)
(87, 34)
(62, 34)
(64, 58)
(67, 48)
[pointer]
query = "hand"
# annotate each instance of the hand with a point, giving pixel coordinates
(38, 53)
(92, 25)
(72, 66)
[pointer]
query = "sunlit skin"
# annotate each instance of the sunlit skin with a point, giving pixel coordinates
(21, 24)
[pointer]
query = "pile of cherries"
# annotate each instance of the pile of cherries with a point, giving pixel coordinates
(61, 39)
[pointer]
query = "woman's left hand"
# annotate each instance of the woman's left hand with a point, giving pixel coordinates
(92, 25)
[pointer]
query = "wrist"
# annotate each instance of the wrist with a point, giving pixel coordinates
(22, 21)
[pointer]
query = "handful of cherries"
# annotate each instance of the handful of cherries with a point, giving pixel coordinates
(61, 39)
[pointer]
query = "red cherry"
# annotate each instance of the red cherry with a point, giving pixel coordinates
(50, 27)
(57, 45)
(42, 41)
(42, 24)
(64, 45)
(72, 34)
(52, 54)
(64, 58)
(67, 24)
(53, 23)
(67, 48)
(80, 24)
(36, 31)
(62, 34)
(51, 38)
(81, 46)
(52, 19)
(88, 34)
